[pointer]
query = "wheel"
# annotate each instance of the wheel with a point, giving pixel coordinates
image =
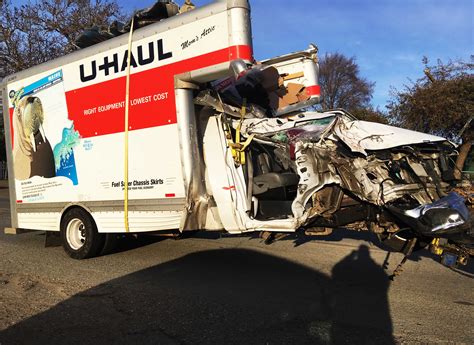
(79, 235)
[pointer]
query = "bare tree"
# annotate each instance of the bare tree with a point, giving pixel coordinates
(342, 85)
(43, 30)
(441, 102)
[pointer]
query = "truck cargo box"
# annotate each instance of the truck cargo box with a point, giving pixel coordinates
(66, 121)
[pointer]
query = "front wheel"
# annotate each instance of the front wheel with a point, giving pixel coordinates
(79, 235)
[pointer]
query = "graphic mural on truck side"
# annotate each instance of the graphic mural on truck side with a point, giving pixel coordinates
(83, 116)
(32, 151)
(64, 154)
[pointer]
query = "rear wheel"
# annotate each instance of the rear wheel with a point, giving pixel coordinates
(79, 235)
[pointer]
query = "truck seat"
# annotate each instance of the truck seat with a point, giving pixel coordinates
(262, 184)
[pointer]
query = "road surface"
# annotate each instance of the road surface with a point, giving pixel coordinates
(228, 290)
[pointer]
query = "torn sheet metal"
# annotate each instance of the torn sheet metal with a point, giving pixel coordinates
(361, 136)
(315, 171)
(278, 87)
(208, 98)
(268, 127)
(250, 83)
(445, 216)
(370, 179)
(315, 141)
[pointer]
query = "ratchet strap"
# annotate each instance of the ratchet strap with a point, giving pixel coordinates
(238, 148)
(127, 105)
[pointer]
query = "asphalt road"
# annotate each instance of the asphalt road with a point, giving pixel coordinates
(230, 290)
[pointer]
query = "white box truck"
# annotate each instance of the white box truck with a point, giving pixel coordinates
(186, 131)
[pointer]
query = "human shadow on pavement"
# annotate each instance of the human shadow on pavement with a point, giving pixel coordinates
(229, 296)
(371, 238)
(350, 324)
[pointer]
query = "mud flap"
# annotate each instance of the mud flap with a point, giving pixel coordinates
(52, 239)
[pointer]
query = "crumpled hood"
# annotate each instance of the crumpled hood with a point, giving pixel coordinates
(361, 136)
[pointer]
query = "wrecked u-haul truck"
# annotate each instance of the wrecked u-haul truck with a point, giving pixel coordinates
(186, 131)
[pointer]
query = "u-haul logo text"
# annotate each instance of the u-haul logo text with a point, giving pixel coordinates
(145, 54)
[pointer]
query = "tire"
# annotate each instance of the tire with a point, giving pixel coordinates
(79, 235)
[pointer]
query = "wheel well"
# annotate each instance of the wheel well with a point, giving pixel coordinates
(79, 235)
(72, 207)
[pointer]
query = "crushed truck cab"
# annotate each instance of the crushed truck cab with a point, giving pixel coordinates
(175, 126)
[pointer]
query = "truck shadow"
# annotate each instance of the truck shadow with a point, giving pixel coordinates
(229, 296)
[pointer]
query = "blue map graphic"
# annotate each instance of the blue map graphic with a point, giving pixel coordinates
(64, 154)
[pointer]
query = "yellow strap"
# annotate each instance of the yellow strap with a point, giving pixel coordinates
(237, 148)
(127, 101)
(240, 155)
(246, 143)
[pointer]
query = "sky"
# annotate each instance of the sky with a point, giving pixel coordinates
(388, 38)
